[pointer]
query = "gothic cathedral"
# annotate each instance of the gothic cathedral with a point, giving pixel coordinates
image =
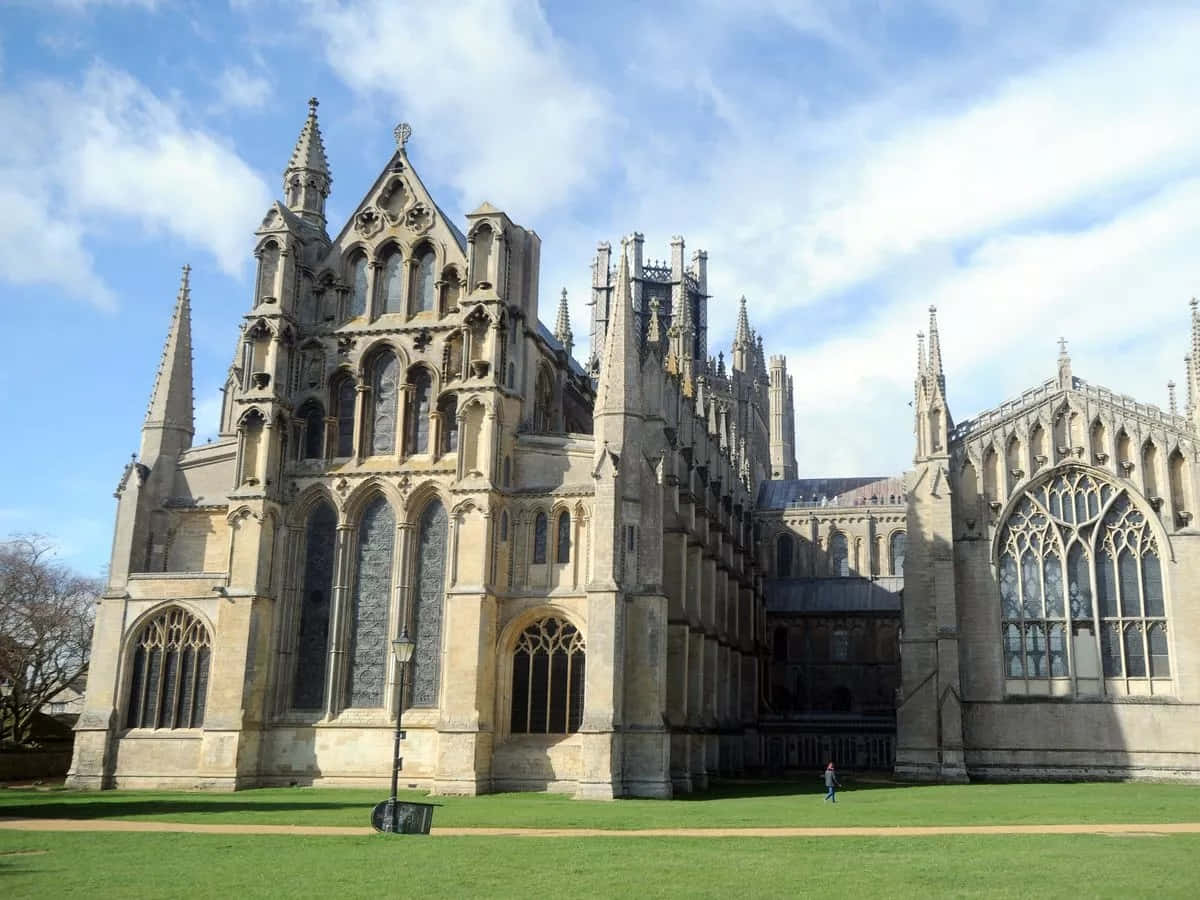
(616, 582)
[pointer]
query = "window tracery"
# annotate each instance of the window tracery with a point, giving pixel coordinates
(383, 404)
(393, 283)
(548, 679)
(430, 592)
(358, 287)
(345, 417)
(539, 538)
(169, 680)
(367, 653)
(1080, 576)
(418, 410)
(898, 547)
(839, 554)
(562, 550)
(424, 283)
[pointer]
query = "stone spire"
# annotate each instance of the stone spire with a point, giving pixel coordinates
(935, 351)
(562, 325)
(618, 388)
(306, 180)
(170, 418)
(742, 357)
(1065, 380)
(1193, 368)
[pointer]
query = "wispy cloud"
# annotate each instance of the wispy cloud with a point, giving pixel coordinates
(81, 160)
(239, 89)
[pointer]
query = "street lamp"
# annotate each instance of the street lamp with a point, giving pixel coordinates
(403, 647)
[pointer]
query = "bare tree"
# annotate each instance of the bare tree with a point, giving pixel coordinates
(46, 613)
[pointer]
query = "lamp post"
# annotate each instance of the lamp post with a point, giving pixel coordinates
(403, 647)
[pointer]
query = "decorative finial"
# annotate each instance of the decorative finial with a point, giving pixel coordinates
(564, 293)
(402, 133)
(313, 103)
(1062, 346)
(1171, 398)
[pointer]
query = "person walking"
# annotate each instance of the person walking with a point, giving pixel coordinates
(831, 782)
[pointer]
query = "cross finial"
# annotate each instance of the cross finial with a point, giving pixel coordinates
(1062, 346)
(313, 103)
(402, 133)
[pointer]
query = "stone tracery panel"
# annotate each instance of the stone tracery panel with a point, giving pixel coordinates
(427, 603)
(368, 649)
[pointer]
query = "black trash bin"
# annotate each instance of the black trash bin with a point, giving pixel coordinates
(411, 818)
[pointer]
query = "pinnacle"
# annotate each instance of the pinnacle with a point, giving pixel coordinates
(171, 403)
(309, 154)
(741, 335)
(562, 325)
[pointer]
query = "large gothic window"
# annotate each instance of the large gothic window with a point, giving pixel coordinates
(393, 283)
(384, 384)
(839, 554)
(417, 426)
(427, 603)
(308, 689)
(899, 544)
(783, 556)
(1081, 583)
(548, 679)
(368, 649)
(358, 287)
(424, 283)
(169, 679)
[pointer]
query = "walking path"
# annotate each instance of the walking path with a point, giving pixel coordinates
(850, 831)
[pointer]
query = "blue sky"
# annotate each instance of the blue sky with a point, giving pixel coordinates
(1031, 168)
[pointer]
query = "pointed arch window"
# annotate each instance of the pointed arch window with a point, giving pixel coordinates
(393, 283)
(562, 548)
(345, 396)
(539, 538)
(358, 286)
(308, 685)
(417, 427)
(168, 685)
(898, 546)
(424, 282)
(448, 415)
(1081, 585)
(384, 394)
(313, 418)
(548, 674)
(543, 402)
(839, 554)
(367, 653)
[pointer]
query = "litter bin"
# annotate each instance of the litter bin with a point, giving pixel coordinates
(411, 818)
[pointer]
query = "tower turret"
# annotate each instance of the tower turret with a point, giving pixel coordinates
(742, 357)
(782, 421)
(562, 325)
(306, 180)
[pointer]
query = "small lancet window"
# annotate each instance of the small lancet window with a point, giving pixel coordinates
(393, 280)
(424, 283)
(417, 430)
(345, 417)
(358, 287)
(539, 539)
(562, 550)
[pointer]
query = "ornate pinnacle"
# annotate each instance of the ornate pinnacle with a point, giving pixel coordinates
(402, 133)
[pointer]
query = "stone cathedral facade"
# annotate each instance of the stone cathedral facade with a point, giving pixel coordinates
(404, 445)
(617, 582)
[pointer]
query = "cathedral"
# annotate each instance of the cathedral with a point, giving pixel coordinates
(615, 580)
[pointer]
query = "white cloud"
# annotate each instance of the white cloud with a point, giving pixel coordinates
(485, 84)
(239, 89)
(82, 162)
(80, 5)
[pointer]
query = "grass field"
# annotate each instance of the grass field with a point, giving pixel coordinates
(60, 864)
(729, 805)
(46, 864)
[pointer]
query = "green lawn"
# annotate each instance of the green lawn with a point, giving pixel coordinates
(730, 805)
(46, 864)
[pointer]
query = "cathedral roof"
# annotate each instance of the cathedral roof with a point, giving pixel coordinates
(870, 490)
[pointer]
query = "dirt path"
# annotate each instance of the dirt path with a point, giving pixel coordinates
(850, 831)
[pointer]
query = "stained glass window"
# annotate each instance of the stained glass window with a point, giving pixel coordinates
(423, 286)
(562, 550)
(1077, 516)
(899, 545)
(316, 589)
(418, 410)
(358, 287)
(539, 538)
(383, 405)
(169, 681)
(427, 604)
(367, 653)
(345, 417)
(548, 679)
(393, 283)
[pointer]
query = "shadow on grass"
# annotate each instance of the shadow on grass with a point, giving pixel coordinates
(747, 789)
